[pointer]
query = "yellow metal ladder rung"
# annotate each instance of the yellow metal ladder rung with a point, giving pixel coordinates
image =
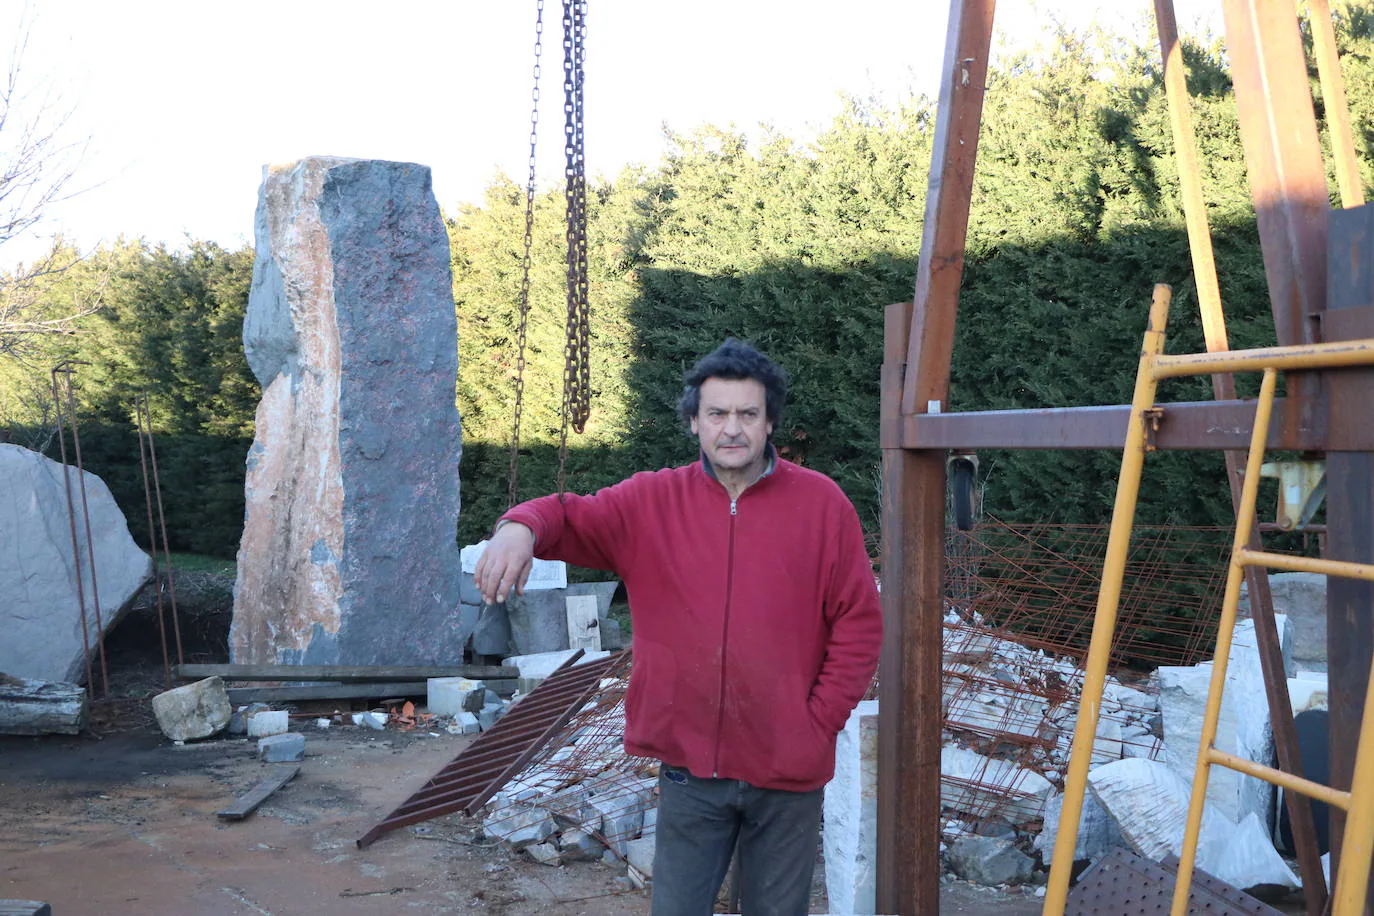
(1316, 790)
(1247, 557)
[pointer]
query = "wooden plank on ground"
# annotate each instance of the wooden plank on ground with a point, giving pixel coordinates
(245, 804)
(346, 673)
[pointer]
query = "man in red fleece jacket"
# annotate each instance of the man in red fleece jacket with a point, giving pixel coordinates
(756, 630)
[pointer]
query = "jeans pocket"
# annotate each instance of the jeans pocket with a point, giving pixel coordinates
(674, 774)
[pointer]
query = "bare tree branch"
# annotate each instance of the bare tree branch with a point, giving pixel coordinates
(37, 168)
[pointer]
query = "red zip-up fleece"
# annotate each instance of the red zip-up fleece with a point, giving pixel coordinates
(756, 622)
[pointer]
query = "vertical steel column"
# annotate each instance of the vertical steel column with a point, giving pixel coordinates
(914, 487)
(1350, 500)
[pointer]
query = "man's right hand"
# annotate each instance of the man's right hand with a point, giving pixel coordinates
(506, 563)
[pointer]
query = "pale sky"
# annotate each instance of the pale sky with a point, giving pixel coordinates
(183, 101)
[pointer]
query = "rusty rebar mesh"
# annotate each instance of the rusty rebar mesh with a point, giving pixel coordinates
(1020, 602)
(1040, 582)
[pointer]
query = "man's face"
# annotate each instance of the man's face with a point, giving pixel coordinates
(732, 424)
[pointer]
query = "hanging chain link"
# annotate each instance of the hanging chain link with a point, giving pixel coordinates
(576, 369)
(526, 262)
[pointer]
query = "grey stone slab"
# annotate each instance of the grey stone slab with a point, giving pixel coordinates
(990, 861)
(492, 634)
(538, 621)
(348, 553)
(282, 748)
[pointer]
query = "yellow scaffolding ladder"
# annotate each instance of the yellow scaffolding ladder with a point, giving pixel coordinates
(1358, 803)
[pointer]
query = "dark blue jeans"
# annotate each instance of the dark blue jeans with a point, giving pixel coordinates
(699, 821)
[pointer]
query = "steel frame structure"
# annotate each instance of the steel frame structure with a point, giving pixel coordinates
(1320, 271)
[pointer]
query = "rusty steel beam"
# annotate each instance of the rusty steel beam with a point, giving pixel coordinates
(1191, 425)
(917, 351)
(930, 346)
(1278, 127)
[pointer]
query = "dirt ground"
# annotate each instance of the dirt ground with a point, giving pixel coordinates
(121, 821)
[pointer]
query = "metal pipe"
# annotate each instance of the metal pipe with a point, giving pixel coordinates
(1309, 564)
(1245, 523)
(140, 414)
(90, 540)
(1295, 784)
(1109, 597)
(1332, 355)
(71, 518)
(162, 524)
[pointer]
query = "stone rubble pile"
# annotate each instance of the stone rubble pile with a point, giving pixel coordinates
(583, 799)
(1010, 712)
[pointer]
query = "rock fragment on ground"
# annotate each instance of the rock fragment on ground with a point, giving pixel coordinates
(193, 711)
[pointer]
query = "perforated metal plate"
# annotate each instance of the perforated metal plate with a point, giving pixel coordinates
(1122, 883)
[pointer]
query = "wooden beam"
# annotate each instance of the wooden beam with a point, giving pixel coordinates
(343, 673)
(248, 802)
(930, 347)
(241, 695)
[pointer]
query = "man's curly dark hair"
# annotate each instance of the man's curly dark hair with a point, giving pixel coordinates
(735, 359)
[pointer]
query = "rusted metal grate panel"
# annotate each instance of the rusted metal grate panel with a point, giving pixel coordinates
(1122, 883)
(499, 753)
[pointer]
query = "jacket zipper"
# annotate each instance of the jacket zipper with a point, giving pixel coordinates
(725, 634)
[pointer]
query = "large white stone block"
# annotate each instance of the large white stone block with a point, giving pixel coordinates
(40, 610)
(1243, 728)
(985, 786)
(850, 810)
(1149, 803)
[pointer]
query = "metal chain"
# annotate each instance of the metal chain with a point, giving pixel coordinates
(576, 369)
(526, 263)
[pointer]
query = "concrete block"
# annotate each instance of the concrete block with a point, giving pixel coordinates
(990, 861)
(640, 854)
(534, 668)
(193, 711)
(268, 722)
(281, 748)
(850, 814)
(488, 716)
(467, 723)
(373, 720)
(448, 696)
(579, 846)
(544, 853)
(519, 825)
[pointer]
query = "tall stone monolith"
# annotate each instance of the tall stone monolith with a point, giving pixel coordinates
(348, 553)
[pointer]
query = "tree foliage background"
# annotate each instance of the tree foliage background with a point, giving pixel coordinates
(796, 246)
